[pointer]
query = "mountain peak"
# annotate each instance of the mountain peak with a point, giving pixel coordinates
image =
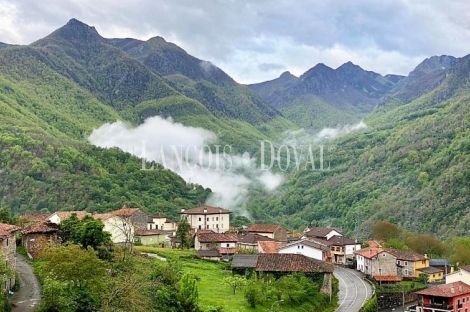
(287, 74)
(433, 63)
(77, 30)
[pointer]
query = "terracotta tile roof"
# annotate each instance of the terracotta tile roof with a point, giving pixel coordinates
(244, 261)
(387, 278)
(208, 253)
(6, 230)
(67, 214)
(227, 251)
(125, 212)
(369, 252)
(201, 210)
(446, 290)
(263, 228)
(102, 216)
(430, 270)
(408, 255)
(35, 217)
(290, 263)
(193, 232)
(149, 232)
(268, 247)
(41, 228)
(374, 243)
(253, 238)
(216, 237)
(341, 240)
(320, 231)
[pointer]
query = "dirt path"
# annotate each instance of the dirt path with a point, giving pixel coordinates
(28, 297)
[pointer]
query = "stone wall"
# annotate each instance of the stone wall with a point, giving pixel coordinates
(326, 287)
(8, 250)
(36, 243)
(139, 220)
(392, 300)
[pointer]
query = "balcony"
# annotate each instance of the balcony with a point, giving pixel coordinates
(438, 306)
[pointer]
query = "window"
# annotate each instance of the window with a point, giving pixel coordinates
(156, 226)
(207, 245)
(406, 263)
(207, 226)
(398, 262)
(199, 226)
(228, 245)
(216, 218)
(207, 219)
(298, 247)
(7, 241)
(217, 226)
(302, 247)
(406, 272)
(199, 219)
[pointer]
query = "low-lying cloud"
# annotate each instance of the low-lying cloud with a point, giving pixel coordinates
(193, 154)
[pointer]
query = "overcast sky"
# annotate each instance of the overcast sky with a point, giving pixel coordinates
(257, 40)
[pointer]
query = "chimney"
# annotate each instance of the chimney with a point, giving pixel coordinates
(205, 210)
(452, 290)
(460, 288)
(370, 250)
(182, 209)
(426, 256)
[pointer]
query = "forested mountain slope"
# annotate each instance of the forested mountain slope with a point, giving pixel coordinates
(410, 166)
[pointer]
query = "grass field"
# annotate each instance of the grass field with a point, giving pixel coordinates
(212, 292)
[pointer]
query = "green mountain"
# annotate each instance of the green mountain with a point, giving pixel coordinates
(54, 92)
(410, 166)
(326, 97)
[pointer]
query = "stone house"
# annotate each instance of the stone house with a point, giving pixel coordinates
(378, 265)
(409, 262)
(224, 243)
(274, 231)
(136, 216)
(250, 240)
(8, 251)
(32, 218)
(36, 237)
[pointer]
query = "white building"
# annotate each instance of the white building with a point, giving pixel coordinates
(307, 248)
(462, 275)
(122, 231)
(60, 216)
(160, 222)
(208, 218)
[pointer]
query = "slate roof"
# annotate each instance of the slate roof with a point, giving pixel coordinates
(439, 262)
(6, 230)
(430, 270)
(35, 217)
(210, 210)
(446, 290)
(41, 228)
(216, 237)
(307, 242)
(291, 263)
(320, 231)
(208, 253)
(263, 228)
(408, 255)
(465, 268)
(244, 261)
(149, 232)
(268, 247)
(253, 238)
(341, 240)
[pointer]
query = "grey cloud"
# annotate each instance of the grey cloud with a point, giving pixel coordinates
(270, 66)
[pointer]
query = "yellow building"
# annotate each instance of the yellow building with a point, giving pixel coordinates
(412, 264)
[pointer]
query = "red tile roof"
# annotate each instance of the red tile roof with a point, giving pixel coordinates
(6, 230)
(263, 228)
(408, 255)
(125, 212)
(67, 214)
(205, 210)
(102, 216)
(446, 290)
(290, 263)
(216, 237)
(41, 228)
(35, 217)
(374, 243)
(268, 247)
(387, 278)
(369, 252)
(149, 232)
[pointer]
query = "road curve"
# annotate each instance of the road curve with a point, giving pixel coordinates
(27, 299)
(353, 290)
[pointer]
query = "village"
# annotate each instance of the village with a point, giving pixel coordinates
(268, 248)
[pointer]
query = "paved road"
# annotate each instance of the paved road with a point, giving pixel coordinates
(28, 297)
(353, 290)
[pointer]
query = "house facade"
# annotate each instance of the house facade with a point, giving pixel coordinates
(453, 297)
(8, 251)
(250, 240)
(161, 222)
(134, 216)
(274, 231)
(410, 262)
(462, 275)
(207, 217)
(378, 264)
(59, 216)
(435, 274)
(207, 244)
(152, 237)
(122, 230)
(307, 248)
(36, 237)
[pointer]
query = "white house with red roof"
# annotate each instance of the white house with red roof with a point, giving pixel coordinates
(308, 248)
(207, 217)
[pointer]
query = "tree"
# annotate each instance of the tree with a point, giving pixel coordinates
(183, 233)
(423, 278)
(239, 221)
(91, 233)
(425, 244)
(396, 244)
(187, 293)
(385, 231)
(235, 282)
